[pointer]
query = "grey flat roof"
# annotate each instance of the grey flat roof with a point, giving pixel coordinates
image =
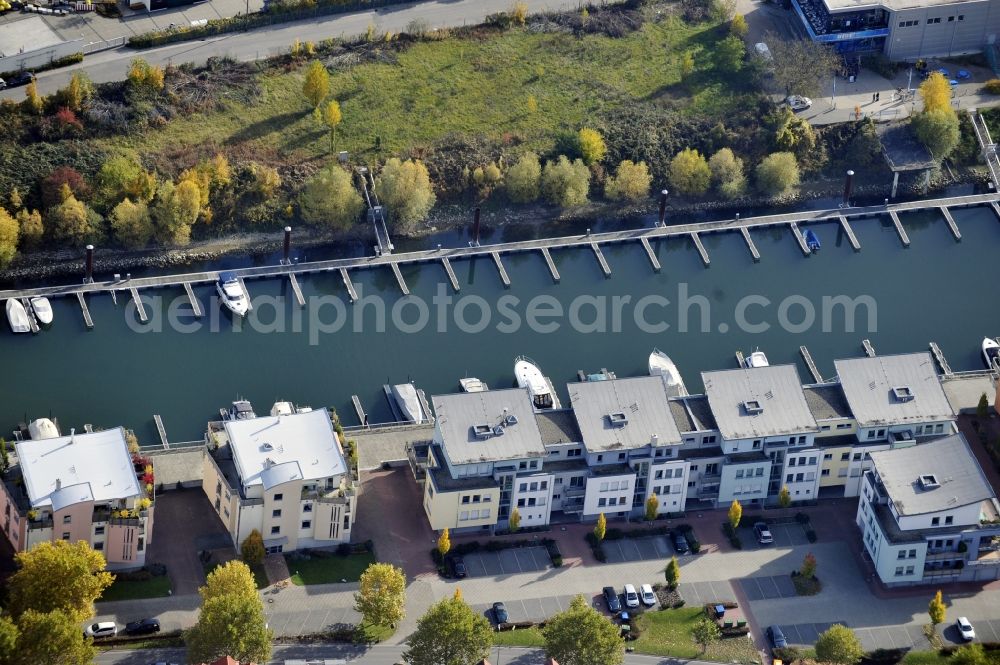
(623, 413)
(949, 460)
(777, 390)
(869, 382)
(459, 413)
(827, 401)
(892, 5)
(558, 426)
(692, 413)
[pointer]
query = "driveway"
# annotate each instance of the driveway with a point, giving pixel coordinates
(785, 535)
(637, 549)
(507, 562)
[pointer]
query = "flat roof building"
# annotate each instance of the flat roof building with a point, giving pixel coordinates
(624, 413)
(900, 389)
(758, 403)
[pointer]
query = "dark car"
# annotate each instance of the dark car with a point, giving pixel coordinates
(611, 598)
(500, 613)
(776, 637)
(680, 542)
(20, 78)
(142, 627)
(458, 567)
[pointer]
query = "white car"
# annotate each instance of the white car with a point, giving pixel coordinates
(631, 597)
(965, 629)
(101, 629)
(798, 102)
(648, 597)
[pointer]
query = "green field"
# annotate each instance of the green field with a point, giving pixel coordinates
(155, 587)
(328, 570)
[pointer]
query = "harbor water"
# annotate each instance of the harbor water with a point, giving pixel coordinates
(122, 372)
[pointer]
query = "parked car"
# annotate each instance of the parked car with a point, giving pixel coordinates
(763, 534)
(680, 542)
(457, 565)
(648, 597)
(20, 78)
(3, 84)
(965, 629)
(101, 629)
(776, 637)
(142, 627)
(631, 597)
(500, 613)
(611, 598)
(760, 48)
(798, 102)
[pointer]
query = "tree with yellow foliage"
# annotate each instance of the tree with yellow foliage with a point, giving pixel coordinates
(331, 117)
(317, 84)
(936, 92)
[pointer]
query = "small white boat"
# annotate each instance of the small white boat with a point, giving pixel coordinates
(42, 428)
(991, 352)
(756, 359)
(240, 410)
(471, 384)
(282, 409)
(17, 316)
(231, 293)
(408, 402)
(42, 309)
(529, 376)
(660, 364)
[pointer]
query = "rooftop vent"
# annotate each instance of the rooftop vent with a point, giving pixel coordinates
(618, 419)
(482, 431)
(268, 462)
(753, 407)
(266, 446)
(928, 481)
(509, 419)
(903, 393)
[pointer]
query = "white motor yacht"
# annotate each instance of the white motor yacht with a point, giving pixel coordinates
(991, 352)
(42, 428)
(282, 409)
(231, 293)
(660, 364)
(42, 309)
(17, 316)
(756, 359)
(471, 384)
(408, 401)
(529, 376)
(240, 410)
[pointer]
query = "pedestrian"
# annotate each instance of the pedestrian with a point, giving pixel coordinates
(873, 98)
(878, 96)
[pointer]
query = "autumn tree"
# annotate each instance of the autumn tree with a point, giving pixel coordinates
(381, 595)
(808, 569)
(78, 91)
(938, 129)
(801, 66)
(705, 633)
(523, 179)
(514, 523)
(672, 573)
(73, 222)
(687, 65)
(583, 636)
(31, 226)
(444, 543)
(252, 549)
(630, 182)
(936, 93)
(689, 173)
(51, 637)
(738, 26)
(405, 188)
(175, 210)
(316, 86)
(970, 654)
(652, 507)
(566, 183)
(52, 186)
(735, 513)
(231, 620)
(591, 145)
(131, 224)
(601, 528)
(838, 644)
(122, 176)
(936, 609)
(450, 633)
(729, 54)
(34, 103)
(58, 575)
(9, 232)
(8, 640)
(727, 173)
(141, 74)
(331, 199)
(519, 12)
(330, 116)
(784, 497)
(777, 173)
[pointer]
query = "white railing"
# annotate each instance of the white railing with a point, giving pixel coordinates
(986, 144)
(103, 45)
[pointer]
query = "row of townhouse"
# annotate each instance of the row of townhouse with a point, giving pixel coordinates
(753, 432)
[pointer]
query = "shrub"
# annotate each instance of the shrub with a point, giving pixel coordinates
(344, 549)
(519, 12)
(778, 173)
(787, 654)
(811, 535)
(566, 183)
(523, 179)
(591, 145)
(727, 173)
(630, 182)
(689, 173)
(405, 188)
(938, 129)
(330, 199)
(992, 87)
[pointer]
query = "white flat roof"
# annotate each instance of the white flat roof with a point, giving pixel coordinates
(872, 387)
(273, 450)
(83, 467)
(892, 5)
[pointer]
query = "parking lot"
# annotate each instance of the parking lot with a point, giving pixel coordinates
(637, 549)
(785, 535)
(507, 562)
(891, 637)
(774, 586)
(699, 593)
(535, 609)
(806, 634)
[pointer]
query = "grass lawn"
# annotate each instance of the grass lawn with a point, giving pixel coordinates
(523, 637)
(924, 658)
(259, 574)
(329, 569)
(155, 587)
(369, 634)
(472, 86)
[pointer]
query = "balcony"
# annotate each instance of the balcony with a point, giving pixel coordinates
(574, 491)
(339, 495)
(44, 522)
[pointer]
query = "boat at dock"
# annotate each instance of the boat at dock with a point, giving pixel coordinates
(603, 375)
(231, 293)
(42, 308)
(757, 359)
(240, 410)
(991, 352)
(660, 364)
(471, 384)
(812, 240)
(17, 316)
(405, 395)
(539, 386)
(282, 408)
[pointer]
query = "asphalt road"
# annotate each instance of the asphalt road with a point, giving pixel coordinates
(113, 65)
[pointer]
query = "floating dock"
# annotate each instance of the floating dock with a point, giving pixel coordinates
(89, 322)
(701, 249)
(650, 253)
(800, 239)
(161, 430)
(451, 274)
(360, 411)
(349, 284)
(899, 228)
(600, 259)
(740, 359)
(195, 305)
(297, 290)
(551, 264)
(399, 278)
(811, 364)
(504, 277)
(139, 306)
(941, 360)
(951, 222)
(32, 319)
(853, 239)
(246, 294)
(866, 344)
(753, 248)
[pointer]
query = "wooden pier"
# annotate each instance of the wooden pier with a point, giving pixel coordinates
(866, 344)
(451, 274)
(600, 259)
(504, 277)
(246, 294)
(89, 322)
(349, 284)
(296, 289)
(800, 239)
(740, 360)
(853, 239)
(951, 222)
(358, 409)
(899, 228)
(701, 249)
(941, 360)
(399, 278)
(195, 305)
(161, 430)
(650, 253)
(811, 364)
(32, 319)
(139, 306)
(753, 248)
(551, 264)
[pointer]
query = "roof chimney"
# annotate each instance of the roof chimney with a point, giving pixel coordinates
(72, 432)
(58, 483)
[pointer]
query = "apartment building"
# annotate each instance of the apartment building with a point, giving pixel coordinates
(283, 475)
(927, 514)
(78, 487)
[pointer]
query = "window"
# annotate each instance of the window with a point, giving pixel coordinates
(949, 519)
(600, 458)
(307, 524)
(881, 433)
(842, 473)
(935, 521)
(544, 485)
(522, 466)
(824, 473)
(901, 554)
(694, 467)
(99, 531)
(827, 457)
(533, 487)
(520, 503)
(845, 456)
(483, 514)
(802, 439)
(67, 519)
(871, 434)
(476, 498)
(559, 481)
(961, 17)
(279, 497)
(950, 19)
(909, 570)
(756, 444)
(844, 426)
(603, 487)
(857, 457)
(812, 460)
(799, 477)
(658, 475)
(791, 461)
(790, 478)
(218, 488)
(912, 554)
(934, 20)
(65, 535)
(622, 500)
(899, 571)
(465, 499)
(760, 471)
(531, 501)
(99, 546)
(308, 508)
(276, 513)
(938, 429)
(140, 545)
(602, 502)
(275, 530)
(621, 456)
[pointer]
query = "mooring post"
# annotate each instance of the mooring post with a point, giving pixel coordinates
(663, 208)
(475, 228)
(848, 186)
(89, 276)
(288, 243)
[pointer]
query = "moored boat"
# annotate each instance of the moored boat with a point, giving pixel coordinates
(17, 316)
(240, 410)
(812, 240)
(408, 402)
(231, 293)
(471, 384)
(756, 359)
(991, 352)
(539, 387)
(660, 364)
(42, 308)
